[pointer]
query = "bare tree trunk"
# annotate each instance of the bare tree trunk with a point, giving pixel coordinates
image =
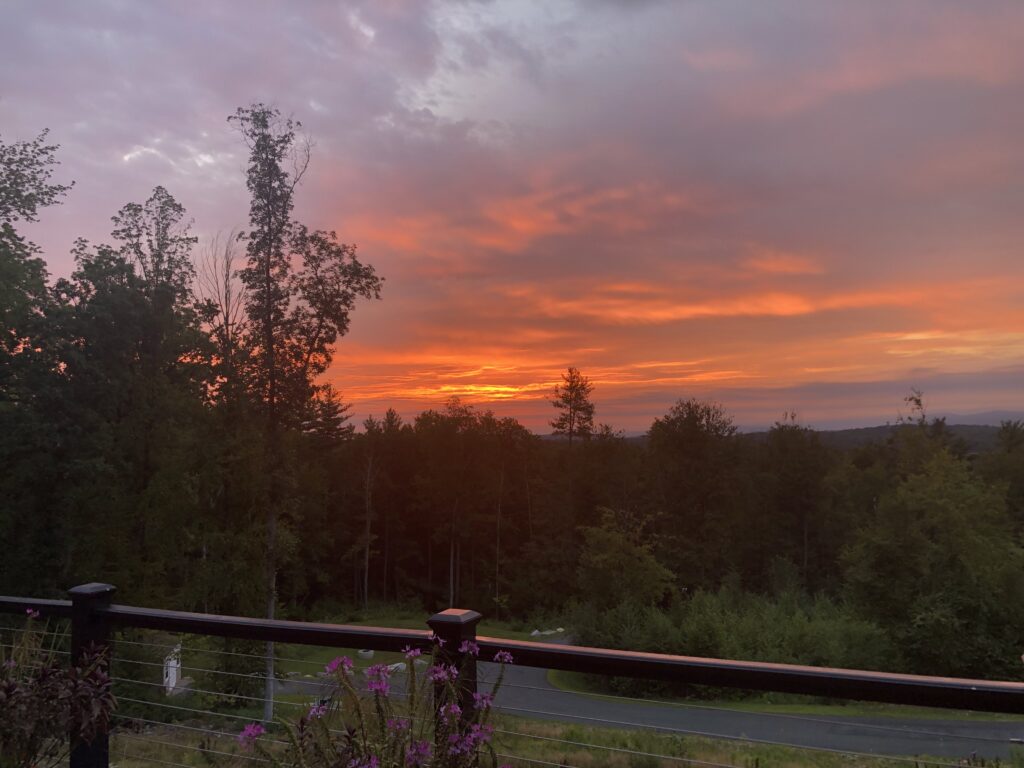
(497, 545)
(268, 692)
(274, 463)
(529, 503)
(387, 556)
(805, 516)
(367, 530)
(451, 568)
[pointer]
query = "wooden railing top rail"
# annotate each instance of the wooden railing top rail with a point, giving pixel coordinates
(948, 692)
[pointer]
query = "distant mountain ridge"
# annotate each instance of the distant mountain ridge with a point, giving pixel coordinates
(978, 437)
(977, 430)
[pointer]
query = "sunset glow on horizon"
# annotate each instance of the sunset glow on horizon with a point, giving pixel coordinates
(781, 206)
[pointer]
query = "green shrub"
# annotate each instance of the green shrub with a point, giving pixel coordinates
(791, 628)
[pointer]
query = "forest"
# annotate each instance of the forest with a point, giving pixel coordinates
(164, 426)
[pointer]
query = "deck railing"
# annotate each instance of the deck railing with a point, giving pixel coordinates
(93, 619)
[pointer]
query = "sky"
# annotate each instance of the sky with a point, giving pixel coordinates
(779, 205)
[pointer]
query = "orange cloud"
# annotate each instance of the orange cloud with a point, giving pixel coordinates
(782, 263)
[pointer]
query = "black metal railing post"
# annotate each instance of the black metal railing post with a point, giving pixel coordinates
(90, 630)
(456, 628)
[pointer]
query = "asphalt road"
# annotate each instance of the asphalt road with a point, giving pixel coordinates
(528, 693)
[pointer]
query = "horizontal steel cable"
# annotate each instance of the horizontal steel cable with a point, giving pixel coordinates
(179, 708)
(259, 656)
(240, 696)
(191, 748)
(126, 756)
(44, 650)
(179, 726)
(30, 631)
(535, 761)
(252, 676)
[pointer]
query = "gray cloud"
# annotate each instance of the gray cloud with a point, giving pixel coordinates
(848, 173)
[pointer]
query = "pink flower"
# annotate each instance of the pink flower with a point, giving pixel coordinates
(341, 661)
(440, 673)
(471, 740)
(503, 657)
(418, 754)
(452, 710)
(249, 734)
(32, 613)
(377, 679)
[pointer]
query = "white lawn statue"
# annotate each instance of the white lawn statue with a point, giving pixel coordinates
(172, 670)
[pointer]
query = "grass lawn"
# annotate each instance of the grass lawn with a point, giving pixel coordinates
(787, 704)
(519, 741)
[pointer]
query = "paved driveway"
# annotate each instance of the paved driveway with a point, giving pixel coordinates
(528, 693)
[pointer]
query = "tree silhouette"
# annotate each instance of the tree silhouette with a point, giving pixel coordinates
(572, 399)
(301, 286)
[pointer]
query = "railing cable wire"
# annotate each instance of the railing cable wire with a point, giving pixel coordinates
(192, 748)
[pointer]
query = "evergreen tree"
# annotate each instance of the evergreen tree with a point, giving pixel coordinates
(572, 399)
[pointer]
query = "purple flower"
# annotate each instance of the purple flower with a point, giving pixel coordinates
(377, 679)
(451, 709)
(341, 661)
(10, 664)
(503, 657)
(471, 740)
(481, 734)
(436, 639)
(32, 613)
(418, 754)
(249, 734)
(483, 700)
(317, 711)
(367, 762)
(411, 653)
(441, 673)
(398, 724)
(468, 646)
(458, 744)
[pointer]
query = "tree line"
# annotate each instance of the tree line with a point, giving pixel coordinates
(164, 427)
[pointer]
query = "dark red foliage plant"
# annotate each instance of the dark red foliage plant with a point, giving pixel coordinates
(46, 706)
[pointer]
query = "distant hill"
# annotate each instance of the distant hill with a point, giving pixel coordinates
(979, 437)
